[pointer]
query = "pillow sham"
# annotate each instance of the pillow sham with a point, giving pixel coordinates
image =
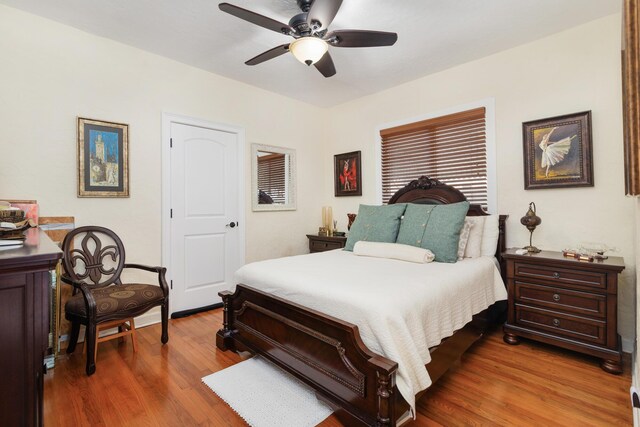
(490, 235)
(393, 251)
(464, 238)
(474, 244)
(434, 227)
(375, 224)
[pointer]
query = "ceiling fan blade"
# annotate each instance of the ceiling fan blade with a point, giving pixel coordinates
(322, 12)
(360, 38)
(325, 65)
(256, 18)
(270, 54)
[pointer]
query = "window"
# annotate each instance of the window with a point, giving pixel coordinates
(451, 148)
(271, 178)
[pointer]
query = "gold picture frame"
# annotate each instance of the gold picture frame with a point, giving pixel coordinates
(103, 158)
(558, 152)
(631, 96)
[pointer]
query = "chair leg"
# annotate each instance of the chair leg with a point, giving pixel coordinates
(165, 322)
(134, 337)
(90, 343)
(73, 337)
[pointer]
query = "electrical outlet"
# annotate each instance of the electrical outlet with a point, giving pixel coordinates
(635, 400)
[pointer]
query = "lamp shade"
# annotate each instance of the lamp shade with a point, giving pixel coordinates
(309, 50)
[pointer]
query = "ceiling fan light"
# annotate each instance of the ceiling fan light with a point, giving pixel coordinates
(309, 50)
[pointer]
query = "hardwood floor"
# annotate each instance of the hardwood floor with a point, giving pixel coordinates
(495, 384)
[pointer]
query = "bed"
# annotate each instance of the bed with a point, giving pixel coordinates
(327, 351)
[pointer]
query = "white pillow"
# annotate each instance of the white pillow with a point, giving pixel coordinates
(464, 238)
(490, 236)
(393, 251)
(474, 245)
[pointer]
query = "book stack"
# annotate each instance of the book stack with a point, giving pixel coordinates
(12, 233)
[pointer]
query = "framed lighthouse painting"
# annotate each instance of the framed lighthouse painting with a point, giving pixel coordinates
(103, 158)
(558, 152)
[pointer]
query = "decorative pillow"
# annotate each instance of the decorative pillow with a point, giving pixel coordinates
(413, 224)
(440, 225)
(490, 236)
(474, 244)
(443, 231)
(376, 224)
(393, 251)
(464, 238)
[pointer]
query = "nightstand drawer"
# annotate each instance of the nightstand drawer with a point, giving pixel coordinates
(561, 275)
(564, 300)
(320, 246)
(579, 328)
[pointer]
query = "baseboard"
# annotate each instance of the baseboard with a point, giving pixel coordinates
(627, 345)
(185, 313)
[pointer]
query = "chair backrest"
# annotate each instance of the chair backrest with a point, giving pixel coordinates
(100, 259)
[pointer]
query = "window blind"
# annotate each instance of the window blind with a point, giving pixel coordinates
(449, 148)
(271, 176)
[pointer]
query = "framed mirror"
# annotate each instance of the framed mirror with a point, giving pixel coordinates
(273, 178)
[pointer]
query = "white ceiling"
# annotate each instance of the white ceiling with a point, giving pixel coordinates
(432, 35)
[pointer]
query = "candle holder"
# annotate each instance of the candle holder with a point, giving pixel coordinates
(531, 221)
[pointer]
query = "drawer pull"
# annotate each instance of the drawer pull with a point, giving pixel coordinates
(556, 275)
(556, 297)
(556, 322)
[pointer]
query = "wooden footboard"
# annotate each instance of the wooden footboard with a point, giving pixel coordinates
(324, 352)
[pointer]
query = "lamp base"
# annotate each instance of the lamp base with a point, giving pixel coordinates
(532, 249)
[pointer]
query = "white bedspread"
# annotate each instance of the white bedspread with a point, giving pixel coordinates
(401, 308)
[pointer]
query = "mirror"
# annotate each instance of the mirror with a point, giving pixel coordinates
(273, 178)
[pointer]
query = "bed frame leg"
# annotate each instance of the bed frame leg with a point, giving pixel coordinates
(224, 339)
(385, 388)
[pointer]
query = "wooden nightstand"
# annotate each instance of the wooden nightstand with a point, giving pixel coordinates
(325, 243)
(569, 303)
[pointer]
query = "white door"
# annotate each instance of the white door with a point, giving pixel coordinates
(204, 237)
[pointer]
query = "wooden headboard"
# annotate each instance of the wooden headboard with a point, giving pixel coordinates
(425, 190)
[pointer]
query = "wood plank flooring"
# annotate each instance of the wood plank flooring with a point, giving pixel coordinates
(495, 384)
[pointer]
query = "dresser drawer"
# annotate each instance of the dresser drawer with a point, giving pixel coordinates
(560, 324)
(561, 275)
(320, 245)
(563, 300)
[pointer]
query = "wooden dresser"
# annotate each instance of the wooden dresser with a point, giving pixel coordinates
(565, 302)
(325, 243)
(24, 327)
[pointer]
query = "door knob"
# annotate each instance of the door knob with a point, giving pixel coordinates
(231, 224)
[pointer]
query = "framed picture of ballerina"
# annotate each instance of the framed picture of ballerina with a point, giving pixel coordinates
(347, 176)
(557, 152)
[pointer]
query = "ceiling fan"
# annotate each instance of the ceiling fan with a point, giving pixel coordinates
(312, 38)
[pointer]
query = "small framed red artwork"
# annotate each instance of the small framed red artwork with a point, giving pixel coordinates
(347, 175)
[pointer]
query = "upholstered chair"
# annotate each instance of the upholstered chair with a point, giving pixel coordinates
(100, 300)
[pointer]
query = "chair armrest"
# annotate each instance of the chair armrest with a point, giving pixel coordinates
(89, 301)
(162, 281)
(146, 268)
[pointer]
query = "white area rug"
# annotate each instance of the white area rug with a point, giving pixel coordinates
(264, 395)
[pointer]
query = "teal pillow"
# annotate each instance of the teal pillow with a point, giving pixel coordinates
(434, 227)
(413, 224)
(376, 224)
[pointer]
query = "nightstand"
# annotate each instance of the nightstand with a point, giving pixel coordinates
(565, 302)
(325, 243)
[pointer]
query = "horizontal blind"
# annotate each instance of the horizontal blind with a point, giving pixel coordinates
(450, 148)
(271, 176)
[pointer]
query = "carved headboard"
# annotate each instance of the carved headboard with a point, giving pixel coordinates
(425, 190)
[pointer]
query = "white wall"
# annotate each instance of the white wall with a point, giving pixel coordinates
(51, 73)
(572, 71)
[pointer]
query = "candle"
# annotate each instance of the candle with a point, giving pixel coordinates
(324, 216)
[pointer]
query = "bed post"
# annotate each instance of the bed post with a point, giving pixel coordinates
(385, 388)
(223, 337)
